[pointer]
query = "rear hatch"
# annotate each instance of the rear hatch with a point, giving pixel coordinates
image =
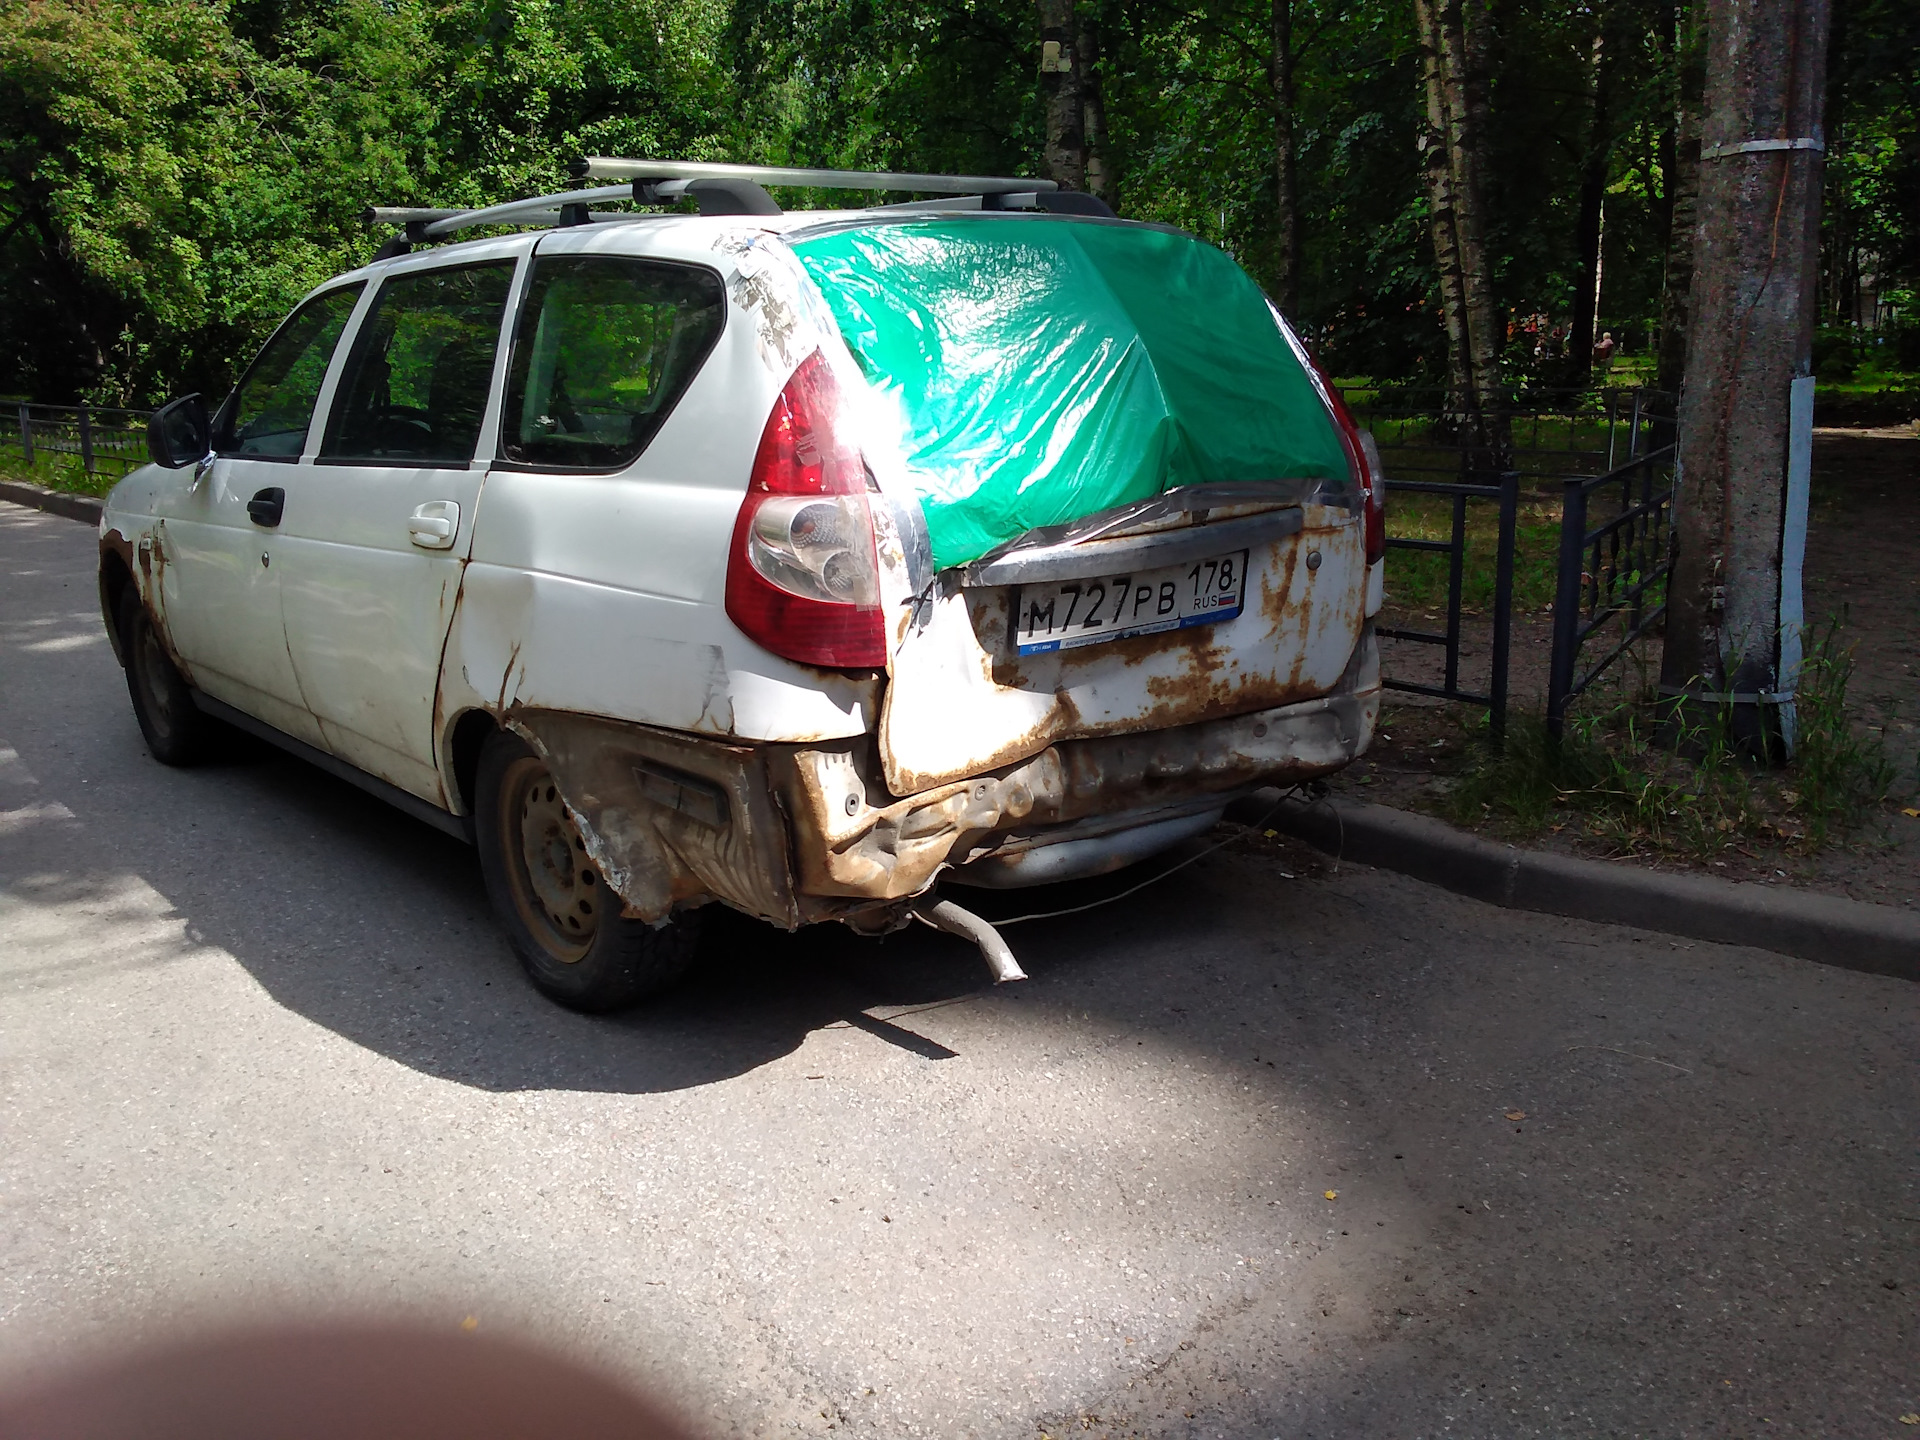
(1139, 509)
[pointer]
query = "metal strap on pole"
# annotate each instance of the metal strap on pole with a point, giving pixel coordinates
(1755, 147)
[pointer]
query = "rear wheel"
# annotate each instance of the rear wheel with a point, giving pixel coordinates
(176, 731)
(560, 915)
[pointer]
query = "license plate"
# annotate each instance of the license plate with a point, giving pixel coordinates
(1070, 613)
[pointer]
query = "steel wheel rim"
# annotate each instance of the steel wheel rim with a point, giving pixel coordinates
(149, 663)
(556, 887)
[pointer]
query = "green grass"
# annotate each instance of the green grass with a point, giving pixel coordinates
(57, 471)
(1418, 581)
(1623, 777)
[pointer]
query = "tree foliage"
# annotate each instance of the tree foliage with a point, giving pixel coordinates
(174, 174)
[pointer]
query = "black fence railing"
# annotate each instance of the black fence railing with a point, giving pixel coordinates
(1616, 557)
(1551, 433)
(1505, 491)
(100, 437)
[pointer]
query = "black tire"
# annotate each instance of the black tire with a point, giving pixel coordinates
(176, 731)
(563, 920)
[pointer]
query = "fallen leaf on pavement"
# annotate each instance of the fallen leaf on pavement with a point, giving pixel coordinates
(1910, 1419)
(1333, 1194)
(1516, 1114)
(1916, 815)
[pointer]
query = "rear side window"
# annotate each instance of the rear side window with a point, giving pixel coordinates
(416, 382)
(271, 408)
(604, 347)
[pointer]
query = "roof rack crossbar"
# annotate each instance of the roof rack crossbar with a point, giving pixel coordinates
(605, 167)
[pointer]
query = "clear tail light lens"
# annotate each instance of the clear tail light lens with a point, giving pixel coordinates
(803, 579)
(1376, 498)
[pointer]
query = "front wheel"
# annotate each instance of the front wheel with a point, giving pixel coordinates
(175, 729)
(560, 915)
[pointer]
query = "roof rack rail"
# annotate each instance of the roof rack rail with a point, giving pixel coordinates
(718, 190)
(604, 167)
(965, 192)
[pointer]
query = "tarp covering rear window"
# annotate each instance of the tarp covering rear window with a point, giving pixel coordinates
(1047, 369)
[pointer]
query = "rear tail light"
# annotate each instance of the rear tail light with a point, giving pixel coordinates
(803, 579)
(1365, 460)
(1376, 484)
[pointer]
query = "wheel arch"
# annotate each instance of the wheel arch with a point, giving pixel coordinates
(465, 740)
(116, 578)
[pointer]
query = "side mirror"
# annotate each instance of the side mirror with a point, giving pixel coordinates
(179, 433)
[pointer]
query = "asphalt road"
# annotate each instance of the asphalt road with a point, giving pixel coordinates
(1244, 1157)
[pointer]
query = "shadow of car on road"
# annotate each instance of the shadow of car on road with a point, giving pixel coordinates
(390, 942)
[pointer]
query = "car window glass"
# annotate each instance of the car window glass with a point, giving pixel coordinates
(273, 406)
(416, 382)
(603, 349)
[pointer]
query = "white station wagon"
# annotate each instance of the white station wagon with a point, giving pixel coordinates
(797, 561)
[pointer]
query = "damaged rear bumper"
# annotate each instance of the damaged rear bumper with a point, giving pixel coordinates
(801, 833)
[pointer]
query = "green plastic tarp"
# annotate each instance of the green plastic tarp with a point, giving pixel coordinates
(1047, 368)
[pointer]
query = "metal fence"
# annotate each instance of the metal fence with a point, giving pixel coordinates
(1505, 490)
(1613, 569)
(99, 436)
(1551, 433)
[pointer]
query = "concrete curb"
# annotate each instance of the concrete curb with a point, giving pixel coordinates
(54, 502)
(1851, 934)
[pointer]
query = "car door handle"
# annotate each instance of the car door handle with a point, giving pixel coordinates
(433, 525)
(265, 507)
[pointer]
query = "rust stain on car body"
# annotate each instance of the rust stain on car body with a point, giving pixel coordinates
(794, 833)
(145, 562)
(963, 700)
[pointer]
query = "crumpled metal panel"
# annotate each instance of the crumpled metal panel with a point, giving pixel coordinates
(795, 834)
(848, 842)
(961, 702)
(670, 820)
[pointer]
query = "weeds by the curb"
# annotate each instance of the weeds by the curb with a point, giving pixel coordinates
(1623, 781)
(56, 471)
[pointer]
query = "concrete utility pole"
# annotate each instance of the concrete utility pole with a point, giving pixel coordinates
(1746, 411)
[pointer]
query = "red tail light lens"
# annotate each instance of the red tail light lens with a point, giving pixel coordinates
(1365, 460)
(802, 579)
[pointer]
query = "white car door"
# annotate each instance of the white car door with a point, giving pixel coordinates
(372, 546)
(219, 588)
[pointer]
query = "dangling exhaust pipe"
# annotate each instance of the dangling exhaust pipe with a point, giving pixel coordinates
(947, 916)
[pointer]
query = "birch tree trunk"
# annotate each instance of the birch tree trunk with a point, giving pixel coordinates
(1433, 144)
(1062, 83)
(1100, 177)
(1587, 225)
(1453, 57)
(1754, 299)
(1486, 329)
